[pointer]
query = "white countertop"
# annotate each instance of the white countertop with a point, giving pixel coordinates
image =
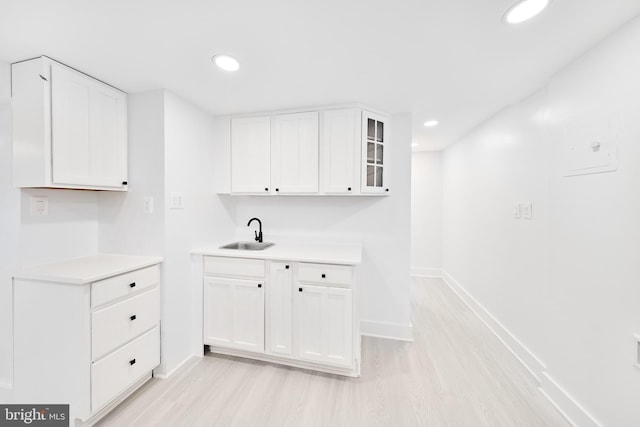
(331, 253)
(79, 271)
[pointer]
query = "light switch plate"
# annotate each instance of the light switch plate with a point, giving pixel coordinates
(527, 210)
(39, 206)
(148, 205)
(176, 201)
(516, 210)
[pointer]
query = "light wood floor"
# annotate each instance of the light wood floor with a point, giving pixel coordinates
(456, 373)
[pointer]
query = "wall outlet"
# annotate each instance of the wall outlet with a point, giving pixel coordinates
(516, 211)
(527, 210)
(176, 201)
(148, 205)
(39, 206)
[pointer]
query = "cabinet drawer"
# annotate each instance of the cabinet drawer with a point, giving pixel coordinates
(325, 274)
(117, 324)
(122, 368)
(116, 287)
(234, 267)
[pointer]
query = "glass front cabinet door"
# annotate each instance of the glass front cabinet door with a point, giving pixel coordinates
(375, 156)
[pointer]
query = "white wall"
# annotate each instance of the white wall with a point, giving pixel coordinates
(382, 223)
(189, 156)
(564, 284)
(124, 226)
(170, 150)
(70, 230)
(426, 213)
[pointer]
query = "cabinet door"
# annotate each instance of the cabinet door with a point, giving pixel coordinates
(234, 313)
(340, 151)
(280, 309)
(250, 155)
(294, 155)
(89, 131)
(375, 155)
(325, 324)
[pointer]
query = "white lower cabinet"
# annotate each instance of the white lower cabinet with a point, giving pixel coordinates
(295, 313)
(324, 320)
(88, 343)
(280, 309)
(121, 368)
(234, 313)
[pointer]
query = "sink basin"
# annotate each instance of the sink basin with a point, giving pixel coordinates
(248, 246)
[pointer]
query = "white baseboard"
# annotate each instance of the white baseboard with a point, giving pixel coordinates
(426, 272)
(164, 376)
(394, 331)
(522, 353)
(573, 411)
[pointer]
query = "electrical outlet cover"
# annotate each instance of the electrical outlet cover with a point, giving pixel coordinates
(39, 206)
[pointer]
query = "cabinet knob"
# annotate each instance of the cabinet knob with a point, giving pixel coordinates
(124, 183)
(277, 189)
(324, 276)
(266, 188)
(132, 362)
(132, 285)
(132, 317)
(386, 189)
(299, 289)
(259, 285)
(349, 189)
(286, 266)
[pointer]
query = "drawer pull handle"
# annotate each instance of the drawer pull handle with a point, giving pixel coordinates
(299, 289)
(132, 317)
(259, 285)
(132, 284)
(324, 276)
(124, 182)
(132, 362)
(286, 266)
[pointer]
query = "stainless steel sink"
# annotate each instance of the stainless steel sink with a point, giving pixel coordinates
(248, 246)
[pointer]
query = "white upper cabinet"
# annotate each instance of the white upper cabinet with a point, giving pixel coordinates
(250, 155)
(294, 153)
(340, 151)
(331, 151)
(375, 156)
(69, 129)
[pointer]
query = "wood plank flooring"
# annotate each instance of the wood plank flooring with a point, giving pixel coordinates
(456, 373)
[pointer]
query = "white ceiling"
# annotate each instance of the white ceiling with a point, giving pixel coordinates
(453, 60)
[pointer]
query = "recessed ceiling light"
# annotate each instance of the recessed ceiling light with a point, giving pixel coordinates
(226, 62)
(414, 145)
(431, 123)
(524, 10)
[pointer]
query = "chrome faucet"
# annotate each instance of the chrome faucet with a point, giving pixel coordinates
(258, 234)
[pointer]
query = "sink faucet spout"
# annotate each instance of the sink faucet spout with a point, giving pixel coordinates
(258, 234)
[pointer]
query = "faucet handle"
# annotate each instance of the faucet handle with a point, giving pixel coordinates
(257, 238)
